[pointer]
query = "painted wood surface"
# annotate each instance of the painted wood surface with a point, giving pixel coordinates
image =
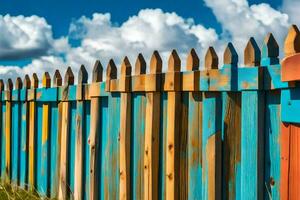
(231, 166)
(211, 146)
(194, 145)
(252, 141)
(137, 145)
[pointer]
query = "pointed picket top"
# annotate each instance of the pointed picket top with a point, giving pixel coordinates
(230, 55)
(211, 59)
(140, 65)
(111, 70)
(97, 72)
(252, 53)
(292, 41)
(69, 77)
(57, 79)
(9, 85)
(82, 75)
(46, 81)
(155, 63)
(125, 67)
(174, 62)
(19, 83)
(192, 62)
(270, 48)
(27, 82)
(1, 85)
(34, 81)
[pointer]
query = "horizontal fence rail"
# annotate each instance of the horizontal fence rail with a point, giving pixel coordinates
(224, 132)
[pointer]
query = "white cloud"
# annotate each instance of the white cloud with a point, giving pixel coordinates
(292, 8)
(240, 21)
(24, 37)
(148, 31)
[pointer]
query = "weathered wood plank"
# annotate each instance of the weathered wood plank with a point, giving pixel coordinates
(152, 134)
(79, 143)
(65, 152)
(211, 145)
(151, 151)
(8, 131)
(55, 139)
(112, 164)
(32, 135)
(63, 188)
(173, 133)
(194, 145)
(231, 145)
(272, 145)
(252, 143)
(284, 160)
(163, 145)
(294, 170)
(92, 141)
(125, 136)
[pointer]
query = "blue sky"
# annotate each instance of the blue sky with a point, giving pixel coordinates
(45, 35)
(60, 13)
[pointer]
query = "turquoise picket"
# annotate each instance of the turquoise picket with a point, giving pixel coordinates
(212, 125)
(193, 101)
(272, 145)
(55, 149)
(86, 152)
(15, 138)
(137, 144)
(41, 168)
(103, 148)
(3, 142)
(162, 146)
(71, 153)
(23, 145)
(252, 136)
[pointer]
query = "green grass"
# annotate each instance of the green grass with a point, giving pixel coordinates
(9, 192)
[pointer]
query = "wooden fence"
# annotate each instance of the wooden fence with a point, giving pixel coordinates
(220, 133)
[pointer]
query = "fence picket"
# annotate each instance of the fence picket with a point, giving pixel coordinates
(252, 135)
(64, 187)
(211, 137)
(32, 132)
(172, 83)
(152, 127)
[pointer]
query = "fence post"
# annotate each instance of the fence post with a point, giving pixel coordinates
(252, 135)
(231, 129)
(111, 145)
(152, 127)
(24, 133)
(63, 192)
(95, 135)
(192, 107)
(32, 132)
(15, 132)
(125, 130)
(211, 137)
(9, 88)
(272, 122)
(172, 84)
(80, 118)
(43, 143)
(56, 121)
